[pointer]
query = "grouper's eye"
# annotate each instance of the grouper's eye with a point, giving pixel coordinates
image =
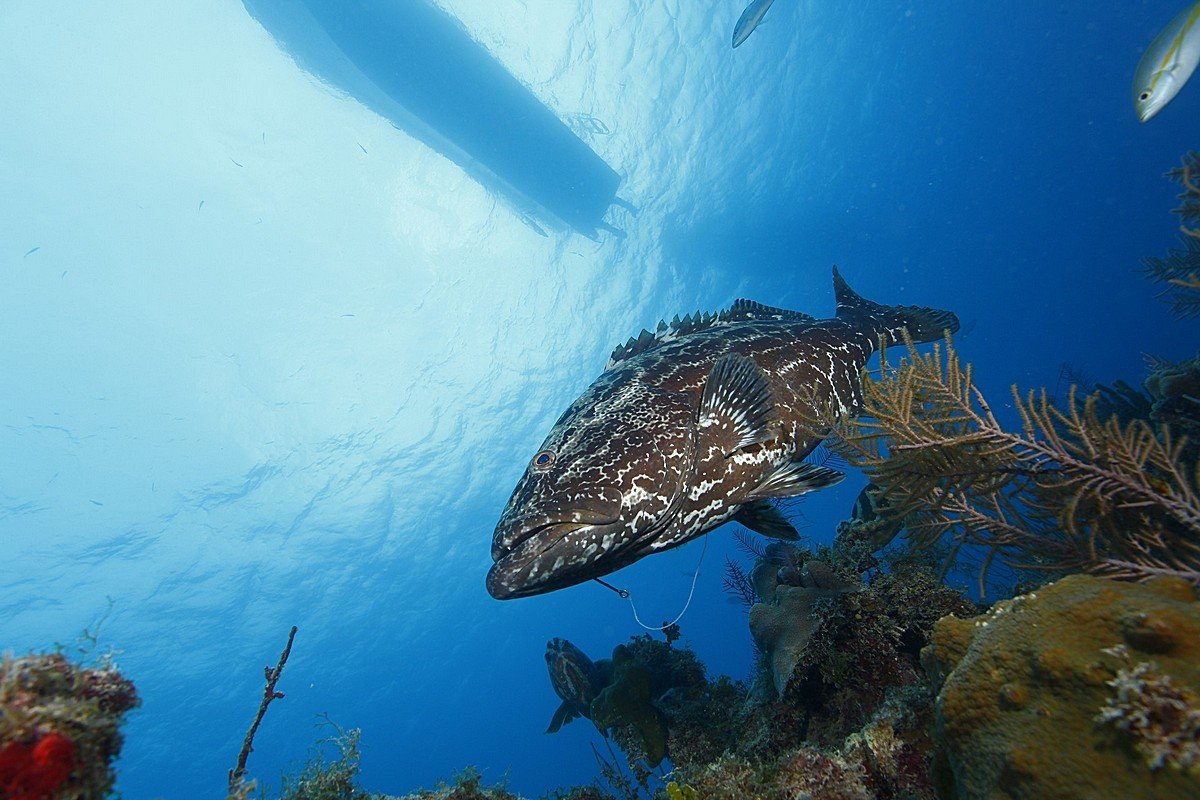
(543, 461)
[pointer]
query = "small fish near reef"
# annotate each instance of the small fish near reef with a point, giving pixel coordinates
(576, 680)
(1168, 63)
(690, 427)
(749, 20)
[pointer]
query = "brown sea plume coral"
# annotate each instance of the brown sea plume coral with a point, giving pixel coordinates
(1180, 270)
(1069, 492)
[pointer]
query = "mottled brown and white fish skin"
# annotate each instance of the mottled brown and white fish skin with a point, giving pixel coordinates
(686, 429)
(576, 679)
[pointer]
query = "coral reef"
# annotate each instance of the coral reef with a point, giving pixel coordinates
(1174, 394)
(60, 726)
(782, 626)
(628, 702)
(702, 721)
(1037, 669)
(860, 654)
(868, 644)
(887, 759)
(467, 785)
(839, 708)
(803, 772)
(1070, 492)
(698, 716)
(322, 778)
(336, 778)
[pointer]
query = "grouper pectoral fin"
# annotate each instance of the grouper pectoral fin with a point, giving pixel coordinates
(792, 478)
(736, 407)
(561, 717)
(763, 518)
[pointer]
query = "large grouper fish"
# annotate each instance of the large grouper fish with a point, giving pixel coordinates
(705, 421)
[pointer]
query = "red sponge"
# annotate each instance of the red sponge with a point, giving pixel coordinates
(37, 772)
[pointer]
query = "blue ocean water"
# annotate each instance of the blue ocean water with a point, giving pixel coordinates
(272, 357)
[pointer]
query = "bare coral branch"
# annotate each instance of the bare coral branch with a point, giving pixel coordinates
(238, 773)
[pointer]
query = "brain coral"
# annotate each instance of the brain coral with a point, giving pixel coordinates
(1022, 686)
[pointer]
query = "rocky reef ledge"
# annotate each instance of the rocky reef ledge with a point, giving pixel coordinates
(1086, 687)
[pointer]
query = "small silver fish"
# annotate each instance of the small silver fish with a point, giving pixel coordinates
(749, 20)
(1167, 64)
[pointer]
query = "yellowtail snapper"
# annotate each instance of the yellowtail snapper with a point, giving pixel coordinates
(1168, 63)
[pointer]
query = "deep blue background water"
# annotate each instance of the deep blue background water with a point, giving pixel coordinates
(276, 361)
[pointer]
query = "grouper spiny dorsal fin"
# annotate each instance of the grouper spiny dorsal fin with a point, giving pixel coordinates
(742, 310)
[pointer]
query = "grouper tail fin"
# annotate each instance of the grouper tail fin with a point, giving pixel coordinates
(923, 324)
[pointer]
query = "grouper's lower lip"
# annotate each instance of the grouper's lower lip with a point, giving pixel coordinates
(532, 567)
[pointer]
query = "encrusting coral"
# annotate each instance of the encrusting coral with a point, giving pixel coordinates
(60, 727)
(1163, 720)
(1033, 703)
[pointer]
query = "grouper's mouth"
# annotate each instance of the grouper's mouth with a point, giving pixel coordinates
(546, 556)
(511, 535)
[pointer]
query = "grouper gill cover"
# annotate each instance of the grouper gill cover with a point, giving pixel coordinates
(692, 426)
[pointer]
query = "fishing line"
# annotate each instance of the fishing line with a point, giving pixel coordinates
(625, 594)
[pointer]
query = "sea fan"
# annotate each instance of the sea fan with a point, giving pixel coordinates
(752, 546)
(1180, 271)
(737, 583)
